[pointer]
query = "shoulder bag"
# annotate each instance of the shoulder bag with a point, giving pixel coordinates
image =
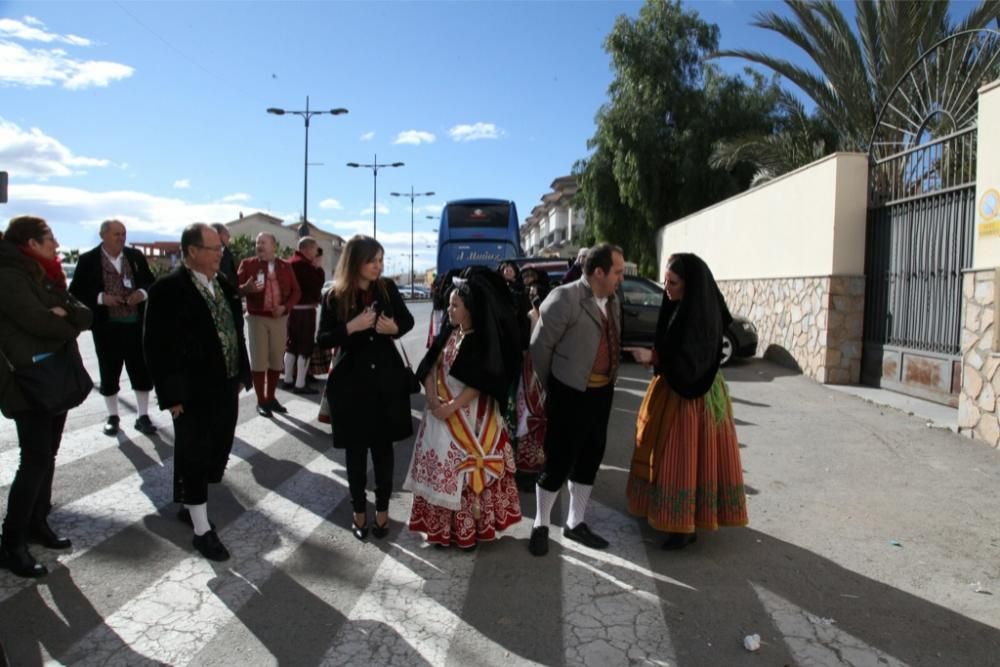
(55, 383)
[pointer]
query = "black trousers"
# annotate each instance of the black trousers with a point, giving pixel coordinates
(357, 474)
(576, 435)
(117, 345)
(30, 499)
(203, 439)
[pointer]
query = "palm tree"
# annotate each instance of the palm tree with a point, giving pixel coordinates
(857, 69)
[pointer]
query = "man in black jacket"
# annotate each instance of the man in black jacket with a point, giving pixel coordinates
(198, 359)
(113, 281)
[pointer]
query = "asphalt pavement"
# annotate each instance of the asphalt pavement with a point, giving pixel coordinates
(873, 540)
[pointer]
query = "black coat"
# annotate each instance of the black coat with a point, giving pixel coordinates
(227, 267)
(88, 281)
(182, 347)
(367, 389)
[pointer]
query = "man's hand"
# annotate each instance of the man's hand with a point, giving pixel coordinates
(279, 310)
(59, 310)
(642, 355)
(176, 410)
(112, 300)
(135, 298)
(251, 286)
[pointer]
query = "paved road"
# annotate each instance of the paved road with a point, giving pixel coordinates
(874, 541)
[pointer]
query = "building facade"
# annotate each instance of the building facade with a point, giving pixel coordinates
(554, 227)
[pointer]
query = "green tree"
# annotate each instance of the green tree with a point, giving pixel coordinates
(856, 70)
(666, 109)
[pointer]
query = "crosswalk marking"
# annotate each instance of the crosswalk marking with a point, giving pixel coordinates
(90, 520)
(175, 617)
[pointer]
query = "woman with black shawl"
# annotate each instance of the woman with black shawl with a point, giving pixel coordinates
(462, 471)
(686, 471)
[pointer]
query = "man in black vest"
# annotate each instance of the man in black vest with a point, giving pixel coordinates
(113, 281)
(198, 359)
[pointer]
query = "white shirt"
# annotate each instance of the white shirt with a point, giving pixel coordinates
(204, 280)
(601, 302)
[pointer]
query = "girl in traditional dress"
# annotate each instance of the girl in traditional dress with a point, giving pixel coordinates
(686, 472)
(462, 472)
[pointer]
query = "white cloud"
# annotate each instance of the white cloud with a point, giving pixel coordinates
(367, 136)
(433, 209)
(348, 228)
(47, 67)
(382, 210)
(76, 213)
(182, 184)
(32, 30)
(238, 196)
(331, 204)
(475, 132)
(415, 137)
(34, 153)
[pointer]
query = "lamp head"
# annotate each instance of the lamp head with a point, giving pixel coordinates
(276, 111)
(353, 164)
(396, 164)
(338, 111)
(395, 194)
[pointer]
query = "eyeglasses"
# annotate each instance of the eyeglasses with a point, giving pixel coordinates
(210, 248)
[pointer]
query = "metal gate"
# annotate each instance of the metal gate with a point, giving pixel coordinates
(921, 208)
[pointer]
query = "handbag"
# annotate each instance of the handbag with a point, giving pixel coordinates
(54, 383)
(410, 380)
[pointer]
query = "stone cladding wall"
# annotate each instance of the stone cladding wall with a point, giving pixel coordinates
(977, 402)
(814, 322)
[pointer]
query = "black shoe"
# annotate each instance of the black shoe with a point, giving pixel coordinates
(19, 560)
(210, 546)
(677, 541)
(580, 533)
(274, 406)
(286, 386)
(304, 391)
(360, 532)
(184, 516)
(45, 536)
(144, 425)
(538, 544)
(264, 411)
(380, 531)
(111, 426)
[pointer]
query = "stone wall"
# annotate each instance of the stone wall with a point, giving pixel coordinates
(816, 321)
(977, 402)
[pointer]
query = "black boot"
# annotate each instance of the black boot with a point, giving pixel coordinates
(43, 534)
(17, 559)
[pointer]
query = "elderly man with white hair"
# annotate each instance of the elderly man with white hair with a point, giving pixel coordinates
(271, 290)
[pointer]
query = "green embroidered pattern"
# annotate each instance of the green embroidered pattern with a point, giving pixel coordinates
(222, 316)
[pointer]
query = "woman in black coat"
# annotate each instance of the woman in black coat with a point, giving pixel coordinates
(37, 317)
(367, 389)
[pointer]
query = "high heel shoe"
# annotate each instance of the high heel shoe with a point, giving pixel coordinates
(19, 560)
(380, 530)
(44, 535)
(677, 541)
(360, 532)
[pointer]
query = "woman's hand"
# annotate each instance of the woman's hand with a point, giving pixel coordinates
(642, 355)
(445, 410)
(59, 310)
(176, 410)
(386, 325)
(363, 320)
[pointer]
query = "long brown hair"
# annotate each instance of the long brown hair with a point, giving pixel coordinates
(359, 250)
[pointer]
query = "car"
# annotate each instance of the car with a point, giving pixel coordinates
(641, 299)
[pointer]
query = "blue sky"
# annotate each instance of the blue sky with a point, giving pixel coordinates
(154, 112)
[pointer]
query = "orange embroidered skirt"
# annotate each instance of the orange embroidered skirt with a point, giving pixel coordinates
(686, 472)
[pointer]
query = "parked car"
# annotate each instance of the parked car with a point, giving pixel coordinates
(419, 292)
(641, 299)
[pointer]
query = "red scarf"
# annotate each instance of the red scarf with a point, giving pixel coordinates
(52, 267)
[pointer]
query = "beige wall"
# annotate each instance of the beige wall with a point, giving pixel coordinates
(986, 246)
(810, 222)
(287, 237)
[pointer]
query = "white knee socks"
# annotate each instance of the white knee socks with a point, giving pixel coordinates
(112, 404)
(302, 364)
(199, 517)
(142, 402)
(289, 368)
(544, 500)
(579, 495)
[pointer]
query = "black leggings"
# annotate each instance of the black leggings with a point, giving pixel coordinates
(357, 474)
(30, 499)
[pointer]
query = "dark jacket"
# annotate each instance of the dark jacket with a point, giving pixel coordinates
(369, 398)
(27, 326)
(88, 281)
(227, 267)
(309, 277)
(182, 347)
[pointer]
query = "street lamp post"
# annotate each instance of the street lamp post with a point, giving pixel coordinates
(413, 195)
(306, 115)
(375, 166)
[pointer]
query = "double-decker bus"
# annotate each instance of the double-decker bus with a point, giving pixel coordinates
(477, 232)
